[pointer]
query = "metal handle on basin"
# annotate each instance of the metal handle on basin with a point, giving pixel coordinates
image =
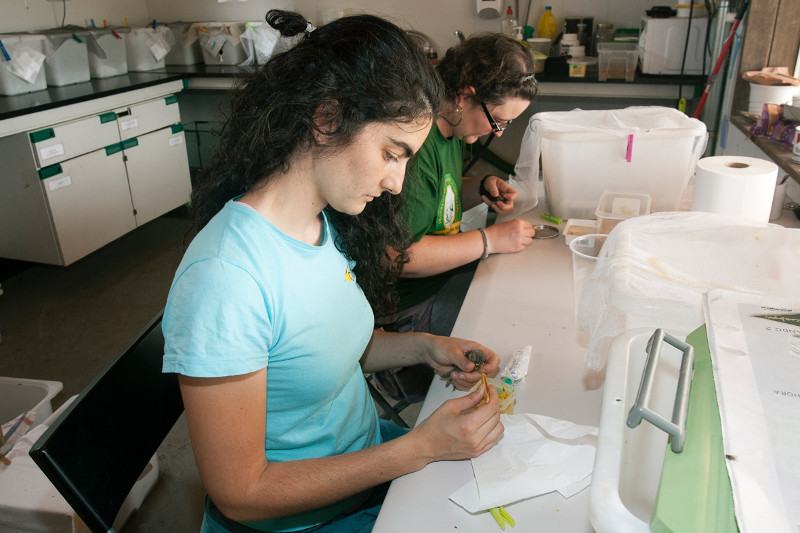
(677, 427)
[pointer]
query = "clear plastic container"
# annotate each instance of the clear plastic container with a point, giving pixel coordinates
(616, 206)
(617, 61)
(508, 23)
(541, 44)
(585, 250)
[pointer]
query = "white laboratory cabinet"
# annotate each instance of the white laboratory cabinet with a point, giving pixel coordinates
(73, 187)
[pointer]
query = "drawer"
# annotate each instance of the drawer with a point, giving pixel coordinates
(148, 116)
(70, 139)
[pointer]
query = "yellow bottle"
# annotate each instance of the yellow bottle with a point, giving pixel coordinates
(547, 24)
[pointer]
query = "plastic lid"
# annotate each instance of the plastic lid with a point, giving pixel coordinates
(547, 8)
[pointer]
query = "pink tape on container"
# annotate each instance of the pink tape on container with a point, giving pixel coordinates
(630, 148)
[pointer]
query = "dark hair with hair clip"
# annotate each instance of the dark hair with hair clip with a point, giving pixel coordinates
(497, 66)
(358, 70)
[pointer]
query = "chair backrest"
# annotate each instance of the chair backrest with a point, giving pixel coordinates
(94, 453)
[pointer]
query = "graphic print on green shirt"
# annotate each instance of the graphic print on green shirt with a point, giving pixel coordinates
(448, 216)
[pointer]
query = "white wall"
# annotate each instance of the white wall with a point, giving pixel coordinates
(27, 15)
(438, 19)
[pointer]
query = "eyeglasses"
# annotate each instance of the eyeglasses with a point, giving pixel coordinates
(496, 128)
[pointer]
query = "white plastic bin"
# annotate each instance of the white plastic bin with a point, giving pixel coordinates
(649, 149)
(222, 43)
(186, 50)
(18, 395)
(147, 48)
(107, 54)
(25, 72)
(67, 60)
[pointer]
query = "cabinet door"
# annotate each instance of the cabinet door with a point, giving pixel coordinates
(90, 203)
(148, 116)
(69, 139)
(158, 172)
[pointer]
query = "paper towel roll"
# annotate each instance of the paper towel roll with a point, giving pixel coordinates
(734, 185)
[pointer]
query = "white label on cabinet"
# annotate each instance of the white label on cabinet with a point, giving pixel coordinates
(178, 139)
(49, 152)
(63, 181)
(129, 124)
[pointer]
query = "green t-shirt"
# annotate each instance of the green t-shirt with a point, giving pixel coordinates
(432, 204)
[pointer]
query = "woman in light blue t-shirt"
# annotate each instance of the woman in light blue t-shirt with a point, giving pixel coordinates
(269, 318)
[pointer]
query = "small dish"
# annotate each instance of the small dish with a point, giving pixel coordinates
(543, 231)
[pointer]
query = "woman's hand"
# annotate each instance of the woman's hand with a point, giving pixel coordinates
(447, 357)
(453, 432)
(510, 236)
(501, 195)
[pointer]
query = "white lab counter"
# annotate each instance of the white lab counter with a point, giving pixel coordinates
(514, 300)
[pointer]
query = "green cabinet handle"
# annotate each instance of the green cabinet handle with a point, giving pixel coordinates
(50, 171)
(130, 143)
(42, 135)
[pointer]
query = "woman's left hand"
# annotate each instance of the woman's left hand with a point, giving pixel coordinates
(502, 194)
(447, 356)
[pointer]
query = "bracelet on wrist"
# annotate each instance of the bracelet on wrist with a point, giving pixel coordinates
(485, 244)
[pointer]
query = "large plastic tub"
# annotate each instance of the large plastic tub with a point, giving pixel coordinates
(18, 395)
(67, 57)
(186, 50)
(648, 149)
(147, 48)
(107, 54)
(222, 44)
(27, 54)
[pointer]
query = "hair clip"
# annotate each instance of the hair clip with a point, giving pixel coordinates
(529, 77)
(310, 27)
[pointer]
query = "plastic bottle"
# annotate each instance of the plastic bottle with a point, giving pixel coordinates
(547, 24)
(508, 23)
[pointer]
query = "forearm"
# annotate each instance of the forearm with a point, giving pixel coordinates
(434, 254)
(392, 350)
(291, 487)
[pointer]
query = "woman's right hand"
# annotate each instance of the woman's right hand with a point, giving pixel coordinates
(509, 237)
(454, 431)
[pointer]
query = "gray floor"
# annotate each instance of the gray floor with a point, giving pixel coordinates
(67, 324)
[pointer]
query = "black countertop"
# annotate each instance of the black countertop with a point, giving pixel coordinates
(53, 97)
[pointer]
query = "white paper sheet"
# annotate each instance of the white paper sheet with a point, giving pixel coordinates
(536, 455)
(755, 351)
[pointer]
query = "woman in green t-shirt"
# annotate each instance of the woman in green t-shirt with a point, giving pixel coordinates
(488, 82)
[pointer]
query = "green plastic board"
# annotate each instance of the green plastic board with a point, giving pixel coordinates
(695, 491)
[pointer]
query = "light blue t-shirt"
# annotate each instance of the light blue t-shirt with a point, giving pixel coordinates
(247, 296)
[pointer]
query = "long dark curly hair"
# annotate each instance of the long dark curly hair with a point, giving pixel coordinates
(373, 72)
(497, 66)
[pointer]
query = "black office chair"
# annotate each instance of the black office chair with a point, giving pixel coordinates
(94, 453)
